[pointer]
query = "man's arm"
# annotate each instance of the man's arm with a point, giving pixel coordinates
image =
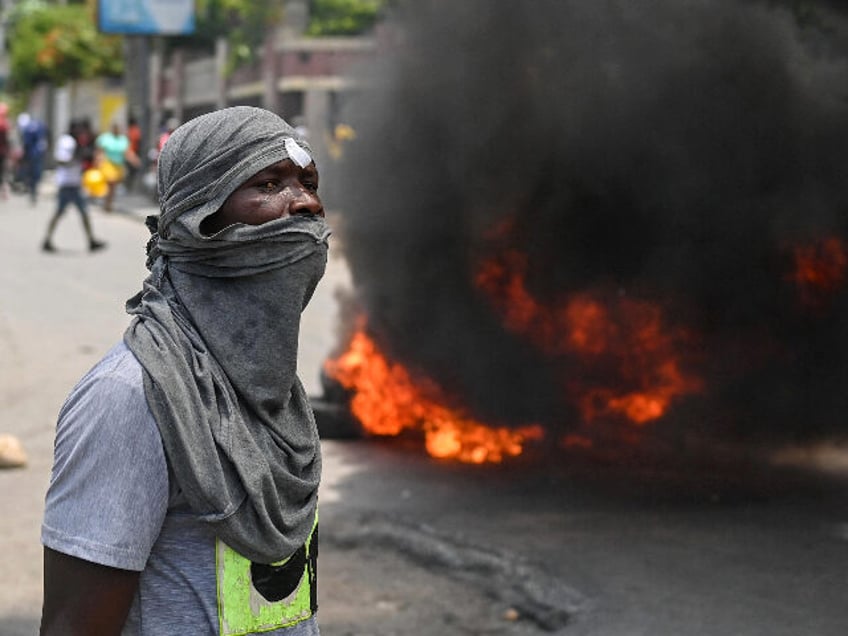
(81, 597)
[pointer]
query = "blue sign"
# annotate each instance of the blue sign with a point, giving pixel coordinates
(150, 17)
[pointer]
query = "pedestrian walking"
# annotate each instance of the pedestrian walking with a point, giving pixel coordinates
(69, 168)
(183, 496)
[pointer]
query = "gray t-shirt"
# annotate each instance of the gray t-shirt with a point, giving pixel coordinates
(110, 501)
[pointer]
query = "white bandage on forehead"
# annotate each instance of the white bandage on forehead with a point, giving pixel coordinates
(297, 154)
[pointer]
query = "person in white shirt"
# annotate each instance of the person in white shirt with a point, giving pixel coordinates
(69, 181)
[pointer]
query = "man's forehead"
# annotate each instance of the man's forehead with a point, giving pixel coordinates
(287, 166)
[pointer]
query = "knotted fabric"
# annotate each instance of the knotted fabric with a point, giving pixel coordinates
(215, 329)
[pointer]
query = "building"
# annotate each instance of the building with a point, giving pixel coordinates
(302, 78)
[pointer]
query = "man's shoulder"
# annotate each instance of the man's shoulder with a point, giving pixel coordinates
(108, 455)
(118, 363)
(116, 377)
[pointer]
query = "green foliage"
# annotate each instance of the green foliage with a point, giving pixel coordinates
(343, 17)
(59, 43)
(242, 22)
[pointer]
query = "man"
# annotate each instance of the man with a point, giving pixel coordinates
(69, 180)
(183, 498)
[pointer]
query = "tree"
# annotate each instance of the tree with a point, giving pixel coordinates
(343, 17)
(242, 22)
(59, 43)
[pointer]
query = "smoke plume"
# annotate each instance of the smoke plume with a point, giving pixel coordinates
(670, 151)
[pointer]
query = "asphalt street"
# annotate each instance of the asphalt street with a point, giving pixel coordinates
(412, 545)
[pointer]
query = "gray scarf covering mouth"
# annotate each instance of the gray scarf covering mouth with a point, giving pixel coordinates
(215, 329)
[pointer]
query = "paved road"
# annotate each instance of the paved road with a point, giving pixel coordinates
(418, 547)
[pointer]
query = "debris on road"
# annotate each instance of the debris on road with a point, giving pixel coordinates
(12, 453)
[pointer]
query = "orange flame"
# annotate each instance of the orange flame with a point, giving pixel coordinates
(627, 336)
(626, 333)
(820, 270)
(387, 401)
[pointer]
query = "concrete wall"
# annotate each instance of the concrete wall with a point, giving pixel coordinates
(306, 77)
(101, 101)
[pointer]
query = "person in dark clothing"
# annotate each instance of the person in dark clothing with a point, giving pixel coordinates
(34, 136)
(86, 143)
(5, 146)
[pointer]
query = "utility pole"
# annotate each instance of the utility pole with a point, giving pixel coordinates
(269, 71)
(137, 82)
(155, 94)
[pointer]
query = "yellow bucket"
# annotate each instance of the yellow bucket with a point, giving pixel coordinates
(94, 183)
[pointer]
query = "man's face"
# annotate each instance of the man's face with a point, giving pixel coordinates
(281, 189)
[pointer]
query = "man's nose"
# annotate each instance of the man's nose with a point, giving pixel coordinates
(307, 203)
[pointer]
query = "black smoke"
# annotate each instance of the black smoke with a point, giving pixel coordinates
(666, 150)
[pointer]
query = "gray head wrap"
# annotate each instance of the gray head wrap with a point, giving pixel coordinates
(216, 328)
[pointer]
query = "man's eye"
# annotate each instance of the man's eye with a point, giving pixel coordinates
(311, 186)
(269, 186)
